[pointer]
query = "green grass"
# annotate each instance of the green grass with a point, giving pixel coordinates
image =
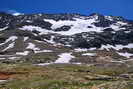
(58, 76)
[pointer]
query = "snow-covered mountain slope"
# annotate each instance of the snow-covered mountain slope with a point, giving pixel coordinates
(43, 37)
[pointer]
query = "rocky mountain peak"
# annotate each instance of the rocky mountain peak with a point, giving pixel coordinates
(31, 34)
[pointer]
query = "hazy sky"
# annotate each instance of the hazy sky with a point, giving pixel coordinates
(107, 7)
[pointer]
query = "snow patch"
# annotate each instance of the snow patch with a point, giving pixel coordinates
(121, 23)
(128, 55)
(28, 21)
(115, 27)
(2, 58)
(32, 46)
(127, 31)
(78, 25)
(26, 38)
(32, 28)
(109, 18)
(6, 55)
(51, 40)
(43, 51)
(3, 80)
(44, 64)
(89, 54)
(91, 49)
(116, 47)
(64, 58)
(12, 58)
(80, 50)
(9, 46)
(22, 53)
(12, 38)
(1, 29)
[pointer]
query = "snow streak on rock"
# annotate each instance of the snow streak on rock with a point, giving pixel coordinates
(43, 51)
(116, 47)
(89, 54)
(32, 46)
(9, 46)
(12, 38)
(128, 55)
(23, 53)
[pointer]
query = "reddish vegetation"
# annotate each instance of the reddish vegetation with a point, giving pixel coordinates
(5, 75)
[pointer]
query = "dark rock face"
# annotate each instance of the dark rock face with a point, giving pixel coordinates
(104, 23)
(63, 28)
(39, 23)
(2, 39)
(42, 24)
(5, 19)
